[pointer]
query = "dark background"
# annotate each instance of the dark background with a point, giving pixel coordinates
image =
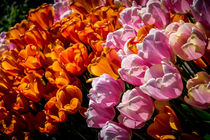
(13, 11)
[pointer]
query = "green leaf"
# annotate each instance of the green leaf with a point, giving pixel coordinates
(204, 115)
(206, 137)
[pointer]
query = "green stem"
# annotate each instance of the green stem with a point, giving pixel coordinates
(80, 134)
(136, 134)
(189, 16)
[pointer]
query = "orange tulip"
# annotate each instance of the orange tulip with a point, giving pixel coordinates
(22, 135)
(56, 75)
(87, 35)
(31, 87)
(52, 112)
(84, 6)
(69, 99)
(21, 104)
(178, 17)
(43, 16)
(103, 27)
(5, 82)
(143, 31)
(15, 34)
(70, 30)
(52, 51)
(9, 63)
(11, 125)
(3, 111)
(61, 29)
(108, 63)
(96, 47)
(43, 126)
(75, 59)
(31, 57)
(164, 123)
(37, 37)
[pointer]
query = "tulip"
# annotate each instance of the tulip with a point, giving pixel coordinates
(3, 42)
(56, 75)
(130, 2)
(5, 82)
(43, 16)
(133, 69)
(155, 47)
(9, 63)
(36, 37)
(113, 130)
(163, 81)
(163, 124)
(105, 90)
(136, 108)
(52, 112)
(129, 17)
(75, 59)
(12, 125)
(104, 95)
(21, 104)
(199, 91)
(98, 114)
(108, 63)
(187, 41)
(31, 57)
(14, 35)
(31, 87)
(61, 9)
(155, 13)
(130, 47)
(118, 38)
(179, 6)
(44, 126)
(69, 99)
(200, 11)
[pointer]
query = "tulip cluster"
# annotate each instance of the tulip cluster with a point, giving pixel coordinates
(161, 46)
(148, 61)
(43, 60)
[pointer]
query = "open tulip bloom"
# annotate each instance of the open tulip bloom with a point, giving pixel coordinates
(107, 69)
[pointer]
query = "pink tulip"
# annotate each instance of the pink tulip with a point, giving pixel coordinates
(155, 13)
(163, 81)
(104, 95)
(173, 27)
(60, 1)
(129, 17)
(155, 47)
(136, 108)
(105, 90)
(114, 131)
(129, 3)
(98, 115)
(188, 42)
(201, 12)
(118, 38)
(3, 43)
(133, 69)
(62, 9)
(199, 91)
(178, 6)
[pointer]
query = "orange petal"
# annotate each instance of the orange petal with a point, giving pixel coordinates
(100, 65)
(43, 16)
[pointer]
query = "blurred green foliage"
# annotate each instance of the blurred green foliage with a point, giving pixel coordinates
(13, 12)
